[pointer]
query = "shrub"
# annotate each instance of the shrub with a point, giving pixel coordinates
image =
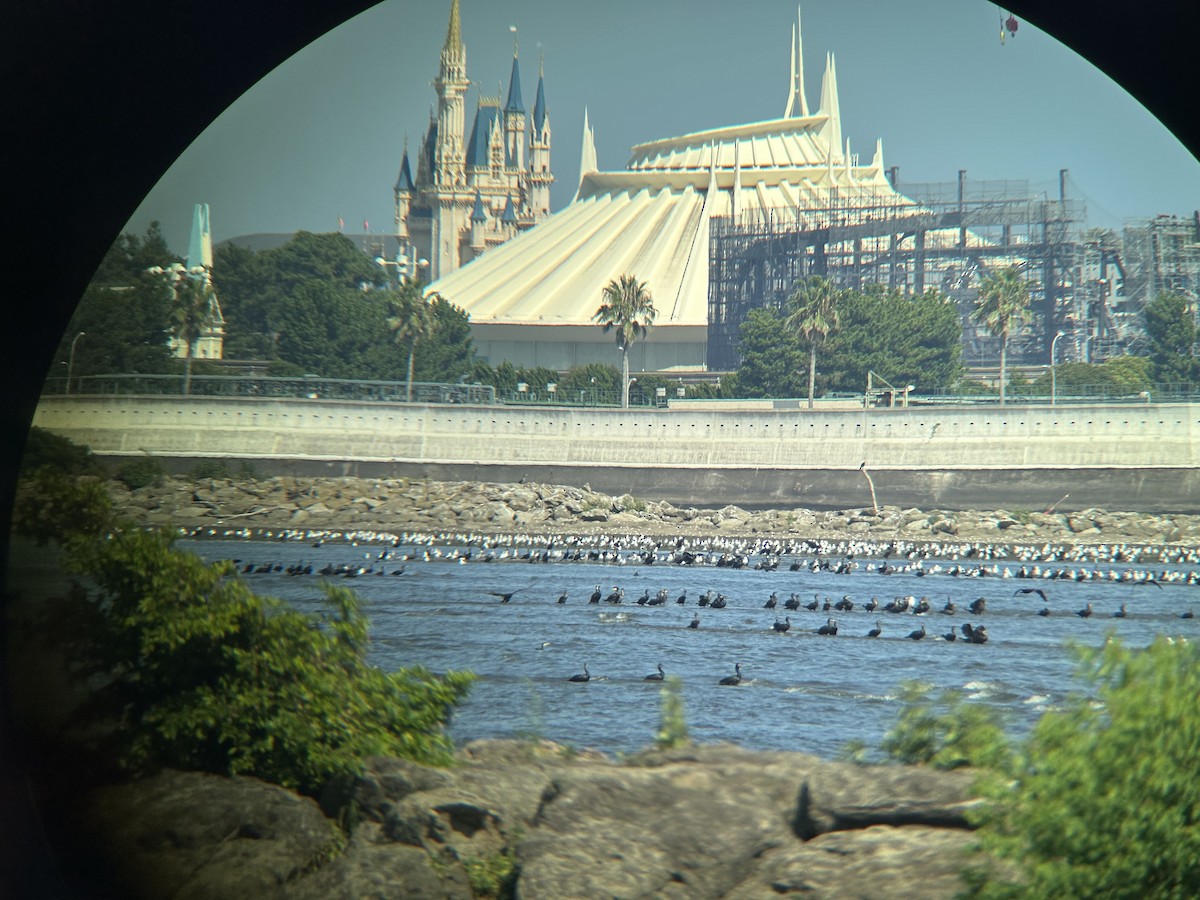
(203, 674)
(209, 470)
(672, 721)
(947, 732)
(1107, 804)
(44, 449)
(50, 505)
(142, 472)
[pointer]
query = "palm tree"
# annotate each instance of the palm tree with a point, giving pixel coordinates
(1002, 307)
(629, 310)
(812, 313)
(411, 320)
(194, 310)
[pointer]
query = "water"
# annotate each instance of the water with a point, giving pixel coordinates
(801, 691)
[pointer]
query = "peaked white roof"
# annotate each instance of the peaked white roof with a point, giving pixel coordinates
(652, 218)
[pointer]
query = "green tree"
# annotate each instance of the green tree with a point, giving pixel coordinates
(593, 382)
(193, 309)
(1173, 334)
(906, 338)
(1105, 802)
(771, 357)
(449, 354)
(812, 314)
(410, 320)
(628, 309)
(1002, 307)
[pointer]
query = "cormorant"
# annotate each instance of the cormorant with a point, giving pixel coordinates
(1120, 613)
(596, 595)
(952, 635)
(581, 676)
(876, 631)
(695, 623)
(783, 626)
(771, 601)
(505, 596)
(830, 627)
(735, 678)
(562, 597)
(977, 606)
(1084, 613)
(1037, 591)
(918, 634)
(656, 676)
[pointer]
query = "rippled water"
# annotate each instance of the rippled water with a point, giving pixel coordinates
(801, 691)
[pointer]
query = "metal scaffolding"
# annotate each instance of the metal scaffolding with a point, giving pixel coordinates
(920, 236)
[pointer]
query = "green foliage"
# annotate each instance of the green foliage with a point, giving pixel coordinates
(209, 470)
(1173, 334)
(906, 338)
(203, 674)
(51, 504)
(672, 719)
(772, 363)
(594, 378)
(628, 310)
(1002, 307)
(1107, 803)
(141, 472)
(494, 875)
(46, 449)
(947, 732)
(1113, 378)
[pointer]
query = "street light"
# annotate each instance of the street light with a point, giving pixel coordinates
(1053, 372)
(71, 359)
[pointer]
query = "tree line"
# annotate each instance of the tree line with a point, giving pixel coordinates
(318, 305)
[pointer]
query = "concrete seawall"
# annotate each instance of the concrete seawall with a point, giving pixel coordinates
(1135, 457)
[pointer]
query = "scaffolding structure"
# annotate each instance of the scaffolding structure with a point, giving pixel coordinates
(912, 238)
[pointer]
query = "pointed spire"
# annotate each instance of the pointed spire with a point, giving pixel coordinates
(454, 29)
(200, 244)
(514, 103)
(797, 104)
(404, 181)
(877, 159)
(509, 217)
(539, 104)
(849, 171)
(478, 214)
(830, 106)
(587, 156)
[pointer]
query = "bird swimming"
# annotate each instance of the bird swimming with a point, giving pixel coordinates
(876, 631)
(695, 623)
(830, 627)
(656, 676)
(783, 626)
(736, 678)
(917, 635)
(581, 676)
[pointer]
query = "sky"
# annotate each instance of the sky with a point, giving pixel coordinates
(322, 136)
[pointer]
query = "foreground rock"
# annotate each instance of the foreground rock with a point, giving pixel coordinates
(404, 505)
(711, 821)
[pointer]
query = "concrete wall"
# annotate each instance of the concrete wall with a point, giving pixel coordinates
(1117, 456)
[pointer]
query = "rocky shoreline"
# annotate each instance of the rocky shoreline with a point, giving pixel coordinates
(400, 505)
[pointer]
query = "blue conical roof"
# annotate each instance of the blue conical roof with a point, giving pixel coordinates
(510, 212)
(539, 106)
(478, 214)
(514, 103)
(404, 181)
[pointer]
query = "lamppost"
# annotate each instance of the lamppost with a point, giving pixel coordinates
(1053, 372)
(71, 359)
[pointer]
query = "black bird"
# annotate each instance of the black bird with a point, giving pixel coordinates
(771, 601)
(917, 635)
(977, 606)
(792, 602)
(562, 597)
(952, 635)
(656, 676)
(783, 626)
(581, 676)
(949, 609)
(830, 627)
(1120, 613)
(505, 596)
(871, 605)
(735, 678)
(682, 598)
(978, 635)
(876, 631)
(1037, 591)
(1187, 614)
(596, 595)
(1084, 613)
(1044, 611)
(695, 623)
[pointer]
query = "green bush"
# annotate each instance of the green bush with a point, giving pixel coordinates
(143, 472)
(209, 470)
(203, 674)
(50, 505)
(1107, 803)
(947, 732)
(672, 721)
(44, 449)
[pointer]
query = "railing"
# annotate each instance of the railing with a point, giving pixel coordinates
(311, 387)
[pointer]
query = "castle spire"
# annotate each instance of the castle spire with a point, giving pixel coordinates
(797, 103)
(539, 103)
(514, 103)
(454, 29)
(830, 107)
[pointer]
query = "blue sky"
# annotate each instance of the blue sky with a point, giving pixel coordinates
(322, 135)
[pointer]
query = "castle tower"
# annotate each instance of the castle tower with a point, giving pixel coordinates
(497, 168)
(211, 342)
(540, 177)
